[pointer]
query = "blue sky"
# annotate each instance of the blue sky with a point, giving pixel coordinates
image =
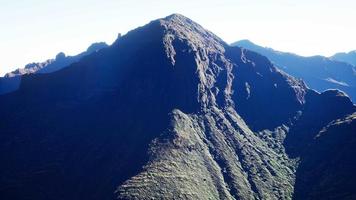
(34, 30)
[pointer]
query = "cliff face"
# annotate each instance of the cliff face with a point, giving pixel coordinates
(168, 111)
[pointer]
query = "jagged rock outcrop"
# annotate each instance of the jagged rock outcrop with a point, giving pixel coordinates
(169, 111)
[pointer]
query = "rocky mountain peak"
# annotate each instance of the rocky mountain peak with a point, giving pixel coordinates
(182, 28)
(202, 120)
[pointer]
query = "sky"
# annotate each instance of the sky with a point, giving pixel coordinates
(36, 30)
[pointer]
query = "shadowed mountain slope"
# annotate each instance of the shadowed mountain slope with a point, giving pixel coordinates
(168, 111)
(317, 172)
(319, 73)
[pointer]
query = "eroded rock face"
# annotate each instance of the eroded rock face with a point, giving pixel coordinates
(211, 156)
(168, 111)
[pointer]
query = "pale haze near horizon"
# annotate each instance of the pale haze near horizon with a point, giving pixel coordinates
(36, 30)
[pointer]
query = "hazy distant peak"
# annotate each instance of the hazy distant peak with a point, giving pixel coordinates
(248, 44)
(245, 41)
(60, 56)
(61, 60)
(349, 57)
(96, 46)
(318, 72)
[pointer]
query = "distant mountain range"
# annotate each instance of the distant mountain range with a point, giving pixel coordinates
(171, 111)
(11, 81)
(349, 57)
(319, 73)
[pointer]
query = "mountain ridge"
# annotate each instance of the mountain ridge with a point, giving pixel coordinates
(11, 81)
(349, 57)
(201, 119)
(320, 73)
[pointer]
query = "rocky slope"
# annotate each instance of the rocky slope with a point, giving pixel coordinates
(169, 111)
(11, 81)
(319, 73)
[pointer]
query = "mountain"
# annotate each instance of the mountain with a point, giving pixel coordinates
(319, 73)
(11, 81)
(349, 57)
(170, 111)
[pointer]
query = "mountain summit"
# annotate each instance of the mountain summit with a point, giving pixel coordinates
(171, 111)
